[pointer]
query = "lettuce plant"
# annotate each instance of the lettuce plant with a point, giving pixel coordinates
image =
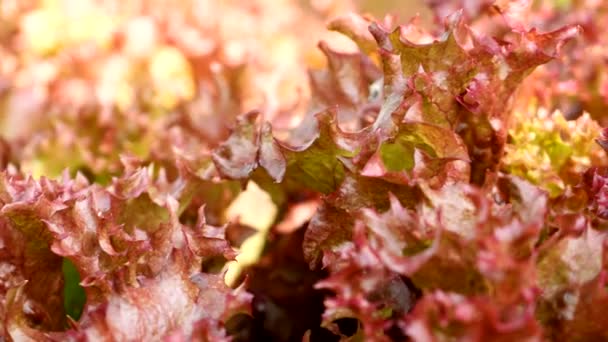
(200, 171)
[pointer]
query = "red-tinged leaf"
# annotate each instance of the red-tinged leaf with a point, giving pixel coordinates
(419, 151)
(250, 145)
(114, 238)
(400, 239)
(441, 316)
(17, 324)
(471, 10)
(529, 202)
(602, 140)
(328, 230)
(574, 310)
(436, 141)
(170, 305)
(207, 241)
(25, 248)
(349, 74)
(150, 311)
(215, 195)
(356, 28)
(515, 13)
(316, 164)
(573, 260)
(462, 70)
(594, 184)
(236, 158)
(217, 300)
(206, 331)
(346, 84)
(586, 320)
(462, 241)
(271, 157)
(421, 248)
(364, 290)
(357, 192)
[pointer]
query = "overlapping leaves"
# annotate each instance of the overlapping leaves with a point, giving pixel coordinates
(130, 250)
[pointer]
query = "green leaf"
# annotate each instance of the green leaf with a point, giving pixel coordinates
(316, 164)
(436, 141)
(74, 296)
(397, 156)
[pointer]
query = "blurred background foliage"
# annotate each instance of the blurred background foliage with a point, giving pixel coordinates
(98, 78)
